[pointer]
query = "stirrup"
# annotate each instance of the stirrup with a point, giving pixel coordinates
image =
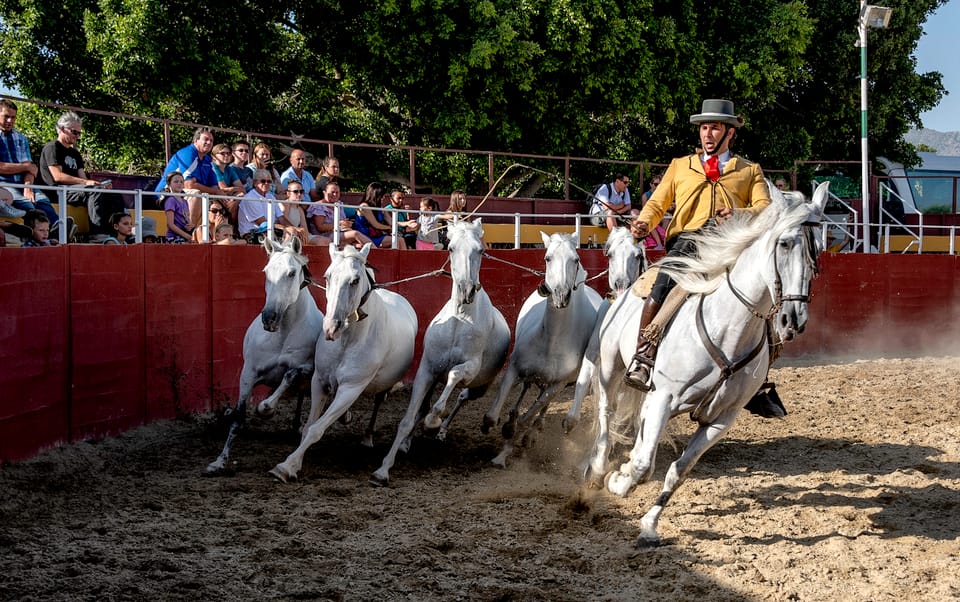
(639, 371)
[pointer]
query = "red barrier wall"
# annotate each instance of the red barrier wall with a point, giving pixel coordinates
(95, 340)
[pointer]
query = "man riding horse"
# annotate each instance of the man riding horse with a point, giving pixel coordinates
(705, 186)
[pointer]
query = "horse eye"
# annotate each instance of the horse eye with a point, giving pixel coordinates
(355, 282)
(291, 273)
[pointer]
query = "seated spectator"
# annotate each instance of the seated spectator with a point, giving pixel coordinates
(654, 182)
(297, 173)
(149, 231)
(329, 172)
(428, 235)
(17, 167)
(371, 223)
(179, 228)
(655, 240)
(263, 159)
(194, 162)
(225, 235)
(253, 212)
(121, 225)
(295, 214)
(408, 226)
(241, 156)
(320, 220)
(612, 203)
(61, 164)
(39, 226)
(217, 215)
(228, 179)
(781, 184)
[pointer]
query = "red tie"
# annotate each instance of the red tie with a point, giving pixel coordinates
(712, 168)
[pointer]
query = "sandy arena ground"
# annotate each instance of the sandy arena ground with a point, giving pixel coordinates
(854, 496)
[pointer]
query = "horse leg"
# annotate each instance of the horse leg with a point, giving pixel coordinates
(703, 439)
(345, 397)
(509, 430)
(464, 372)
(295, 425)
(367, 440)
(237, 418)
(584, 379)
(268, 407)
(492, 417)
(656, 413)
(381, 477)
(468, 394)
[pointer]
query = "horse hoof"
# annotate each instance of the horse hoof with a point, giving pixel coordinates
(647, 542)
(441, 435)
(265, 411)
(367, 441)
(569, 424)
(215, 467)
(280, 473)
(431, 422)
(347, 417)
(617, 483)
(508, 430)
(488, 423)
(379, 479)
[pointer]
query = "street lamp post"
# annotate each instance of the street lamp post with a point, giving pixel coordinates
(876, 17)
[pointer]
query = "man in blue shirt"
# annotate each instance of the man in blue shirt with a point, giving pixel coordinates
(194, 162)
(17, 167)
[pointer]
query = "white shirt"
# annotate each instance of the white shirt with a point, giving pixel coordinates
(253, 207)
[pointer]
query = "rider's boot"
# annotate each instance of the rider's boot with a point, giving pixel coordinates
(638, 372)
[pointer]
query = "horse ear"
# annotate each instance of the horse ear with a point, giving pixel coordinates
(820, 196)
(546, 239)
(333, 251)
(478, 223)
(269, 245)
(295, 244)
(366, 250)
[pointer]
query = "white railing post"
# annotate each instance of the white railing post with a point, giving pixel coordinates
(516, 230)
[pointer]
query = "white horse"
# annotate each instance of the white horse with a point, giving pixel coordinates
(279, 344)
(553, 328)
(366, 347)
(466, 345)
(626, 260)
(715, 355)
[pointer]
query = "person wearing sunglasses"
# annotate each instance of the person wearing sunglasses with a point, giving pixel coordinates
(217, 215)
(228, 180)
(61, 164)
(241, 156)
(253, 212)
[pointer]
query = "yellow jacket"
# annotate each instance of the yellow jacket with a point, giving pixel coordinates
(696, 199)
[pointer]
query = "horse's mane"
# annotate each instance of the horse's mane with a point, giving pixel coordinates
(617, 236)
(719, 246)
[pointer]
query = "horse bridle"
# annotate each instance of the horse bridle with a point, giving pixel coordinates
(809, 246)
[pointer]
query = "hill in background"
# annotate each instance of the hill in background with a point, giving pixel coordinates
(945, 143)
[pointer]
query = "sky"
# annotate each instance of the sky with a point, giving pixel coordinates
(936, 51)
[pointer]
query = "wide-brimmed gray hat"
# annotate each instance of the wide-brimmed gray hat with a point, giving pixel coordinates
(717, 109)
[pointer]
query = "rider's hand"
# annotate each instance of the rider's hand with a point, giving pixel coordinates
(639, 229)
(724, 212)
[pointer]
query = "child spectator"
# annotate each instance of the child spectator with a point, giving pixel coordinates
(179, 228)
(121, 225)
(371, 223)
(39, 225)
(224, 235)
(428, 235)
(408, 227)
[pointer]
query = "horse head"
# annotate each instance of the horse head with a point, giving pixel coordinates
(286, 274)
(796, 263)
(349, 283)
(564, 273)
(626, 258)
(466, 251)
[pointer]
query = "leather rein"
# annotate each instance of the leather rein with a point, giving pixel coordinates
(727, 367)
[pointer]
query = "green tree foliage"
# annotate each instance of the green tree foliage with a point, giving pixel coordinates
(616, 79)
